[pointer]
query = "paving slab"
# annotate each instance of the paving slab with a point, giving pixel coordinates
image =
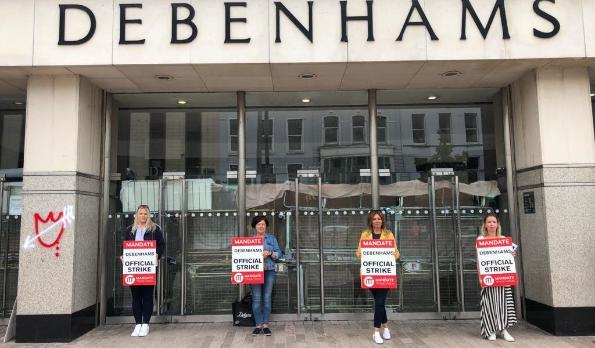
(297, 334)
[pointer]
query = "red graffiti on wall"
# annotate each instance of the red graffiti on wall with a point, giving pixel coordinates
(53, 219)
(58, 222)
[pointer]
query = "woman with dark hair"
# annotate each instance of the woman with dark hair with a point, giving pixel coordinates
(377, 230)
(497, 303)
(143, 228)
(262, 293)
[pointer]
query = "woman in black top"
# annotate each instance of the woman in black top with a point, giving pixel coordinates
(143, 228)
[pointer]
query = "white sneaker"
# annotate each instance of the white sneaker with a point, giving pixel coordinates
(507, 337)
(492, 337)
(377, 339)
(144, 330)
(386, 333)
(136, 330)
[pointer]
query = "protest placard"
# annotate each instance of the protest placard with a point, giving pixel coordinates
(496, 262)
(378, 264)
(247, 260)
(139, 262)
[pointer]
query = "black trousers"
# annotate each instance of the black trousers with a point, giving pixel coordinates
(142, 303)
(379, 310)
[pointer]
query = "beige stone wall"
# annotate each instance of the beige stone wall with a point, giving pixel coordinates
(62, 167)
(555, 153)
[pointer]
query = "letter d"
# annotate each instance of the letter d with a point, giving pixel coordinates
(61, 40)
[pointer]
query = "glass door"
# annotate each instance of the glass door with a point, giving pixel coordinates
(454, 231)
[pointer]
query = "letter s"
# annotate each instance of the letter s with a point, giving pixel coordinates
(548, 17)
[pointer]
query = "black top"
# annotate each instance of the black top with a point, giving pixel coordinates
(155, 235)
(376, 235)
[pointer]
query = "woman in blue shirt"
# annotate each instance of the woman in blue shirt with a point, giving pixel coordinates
(262, 293)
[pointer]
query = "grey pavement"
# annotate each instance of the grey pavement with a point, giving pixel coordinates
(410, 333)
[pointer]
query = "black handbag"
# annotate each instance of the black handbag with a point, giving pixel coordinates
(242, 312)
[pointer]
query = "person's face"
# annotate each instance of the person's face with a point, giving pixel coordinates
(376, 221)
(261, 227)
(491, 225)
(142, 215)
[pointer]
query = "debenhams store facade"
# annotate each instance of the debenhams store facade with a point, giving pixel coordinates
(311, 113)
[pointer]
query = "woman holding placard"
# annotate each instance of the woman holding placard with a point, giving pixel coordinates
(497, 303)
(262, 293)
(377, 230)
(143, 228)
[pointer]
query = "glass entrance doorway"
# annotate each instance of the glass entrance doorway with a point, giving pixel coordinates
(307, 171)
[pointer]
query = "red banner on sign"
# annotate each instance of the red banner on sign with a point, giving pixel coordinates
(247, 278)
(378, 281)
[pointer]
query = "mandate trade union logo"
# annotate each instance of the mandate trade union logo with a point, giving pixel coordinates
(488, 280)
(369, 282)
(238, 277)
(129, 279)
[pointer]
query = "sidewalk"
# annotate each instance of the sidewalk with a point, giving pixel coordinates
(428, 333)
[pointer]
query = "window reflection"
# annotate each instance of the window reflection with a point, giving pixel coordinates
(424, 137)
(12, 123)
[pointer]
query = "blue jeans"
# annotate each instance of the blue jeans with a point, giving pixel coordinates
(262, 298)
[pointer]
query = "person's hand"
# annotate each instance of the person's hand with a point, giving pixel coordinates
(397, 254)
(121, 259)
(267, 253)
(513, 252)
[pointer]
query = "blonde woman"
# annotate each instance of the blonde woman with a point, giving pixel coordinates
(143, 228)
(377, 230)
(497, 303)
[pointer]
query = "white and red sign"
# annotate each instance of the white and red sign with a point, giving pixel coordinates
(378, 265)
(496, 262)
(247, 260)
(139, 262)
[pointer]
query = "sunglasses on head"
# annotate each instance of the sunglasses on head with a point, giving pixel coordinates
(143, 206)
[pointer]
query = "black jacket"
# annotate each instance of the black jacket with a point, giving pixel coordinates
(155, 235)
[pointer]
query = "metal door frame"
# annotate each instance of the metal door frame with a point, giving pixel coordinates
(458, 244)
(300, 299)
(173, 177)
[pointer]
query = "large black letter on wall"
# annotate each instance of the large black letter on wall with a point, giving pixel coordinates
(424, 21)
(307, 32)
(187, 21)
(499, 5)
(548, 17)
(345, 18)
(124, 21)
(61, 40)
(229, 20)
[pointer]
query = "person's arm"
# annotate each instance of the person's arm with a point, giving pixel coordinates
(160, 242)
(124, 238)
(396, 252)
(276, 252)
(358, 253)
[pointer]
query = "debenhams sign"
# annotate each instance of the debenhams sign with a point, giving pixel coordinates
(185, 27)
(120, 32)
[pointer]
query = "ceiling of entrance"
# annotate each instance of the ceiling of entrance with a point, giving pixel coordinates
(286, 77)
